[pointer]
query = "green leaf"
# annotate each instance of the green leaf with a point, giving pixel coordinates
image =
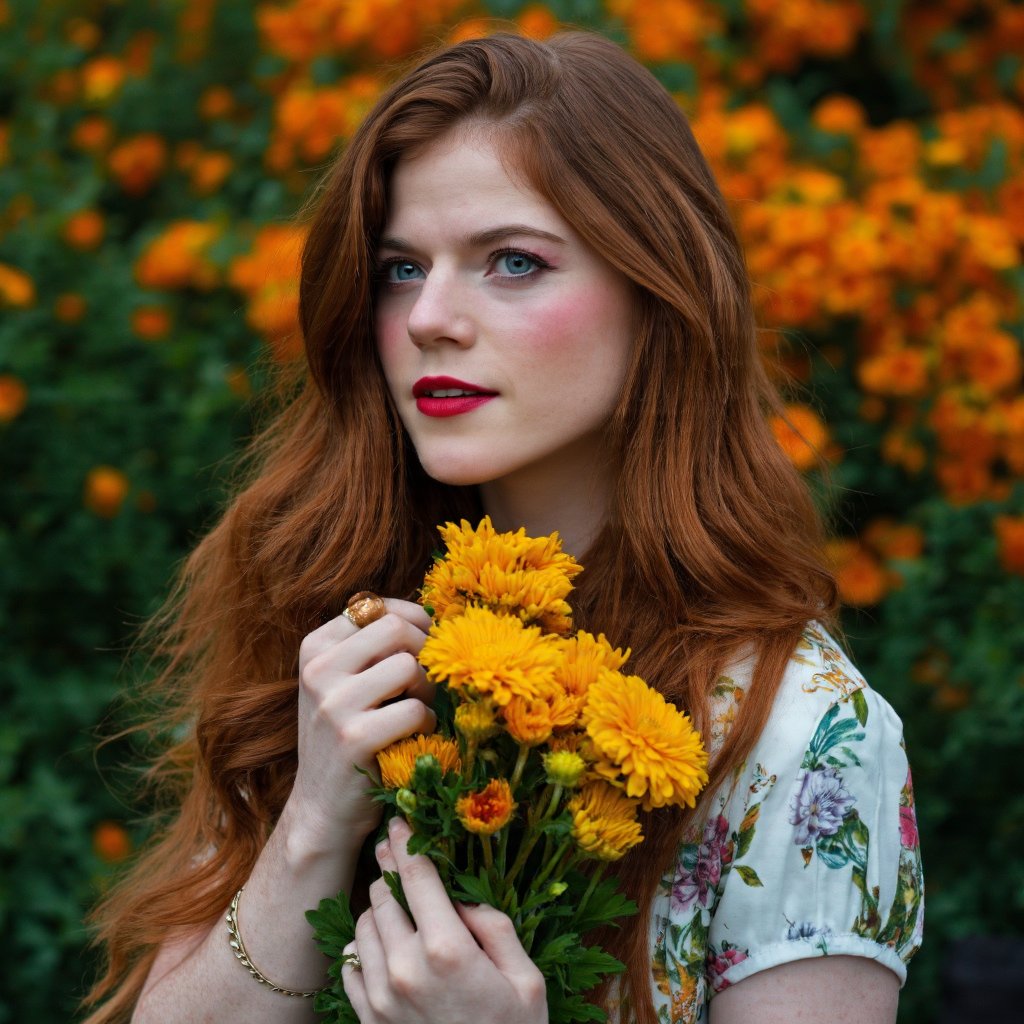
(333, 925)
(749, 875)
(860, 706)
(394, 883)
(474, 889)
(745, 839)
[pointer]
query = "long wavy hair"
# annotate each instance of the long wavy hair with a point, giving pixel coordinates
(712, 544)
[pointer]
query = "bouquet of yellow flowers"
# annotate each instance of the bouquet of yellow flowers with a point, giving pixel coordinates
(544, 752)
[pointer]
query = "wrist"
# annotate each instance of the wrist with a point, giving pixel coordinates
(306, 844)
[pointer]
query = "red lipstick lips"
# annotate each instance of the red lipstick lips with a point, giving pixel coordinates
(433, 396)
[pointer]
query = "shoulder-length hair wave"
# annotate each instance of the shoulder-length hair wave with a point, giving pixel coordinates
(712, 543)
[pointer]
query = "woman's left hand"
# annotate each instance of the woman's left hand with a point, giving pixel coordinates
(453, 963)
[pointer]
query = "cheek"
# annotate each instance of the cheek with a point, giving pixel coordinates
(569, 327)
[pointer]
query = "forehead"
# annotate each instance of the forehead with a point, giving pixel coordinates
(462, 173)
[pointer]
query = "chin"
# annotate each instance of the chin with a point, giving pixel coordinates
(461, 472)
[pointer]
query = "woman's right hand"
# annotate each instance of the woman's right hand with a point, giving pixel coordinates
(359, 690)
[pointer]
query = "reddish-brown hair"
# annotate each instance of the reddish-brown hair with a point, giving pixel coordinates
(712, 542)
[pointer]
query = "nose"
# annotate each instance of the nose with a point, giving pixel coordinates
(440, 313)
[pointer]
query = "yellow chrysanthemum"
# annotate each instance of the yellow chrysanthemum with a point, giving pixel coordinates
(487, 810)
(398, 761)
(583, 657)
(604, 821)
(481, 653)
(511, 573)
(644, 745)
(564, 768)
(528, 722)
(476, 720)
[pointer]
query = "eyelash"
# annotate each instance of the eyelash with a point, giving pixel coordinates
(385, 266)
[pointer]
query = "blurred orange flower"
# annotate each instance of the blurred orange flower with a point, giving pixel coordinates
(841, 115)
(111, 842)
(69, 307)
(537, 21)
(137, 163)
(801, 434)
(216, 101)
(105, 491)
(92, 133)
(269, 277)
(13, 397)
(890, 539)
(151, 322)
(210, 171)
(16, 287)
(82, 33)
(1010, 538)
(84, 230)
(903, 372)
(102, 77)
(861, 579)
(178, 258)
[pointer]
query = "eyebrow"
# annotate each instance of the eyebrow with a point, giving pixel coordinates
(494, 234)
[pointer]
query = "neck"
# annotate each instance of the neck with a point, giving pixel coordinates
(570, 495)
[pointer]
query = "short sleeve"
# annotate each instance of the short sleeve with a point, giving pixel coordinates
(818, 839)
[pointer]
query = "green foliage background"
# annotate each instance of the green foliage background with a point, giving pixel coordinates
(167, 413)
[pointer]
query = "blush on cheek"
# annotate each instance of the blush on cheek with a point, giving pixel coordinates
(555, 327)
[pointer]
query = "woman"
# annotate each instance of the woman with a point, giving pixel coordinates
(521, 295)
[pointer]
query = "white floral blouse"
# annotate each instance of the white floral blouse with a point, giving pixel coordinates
(811, 850)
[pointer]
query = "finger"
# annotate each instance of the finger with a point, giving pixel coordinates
(366, 735)
(355, 651)
(374, 956)
(340, 627)
(389, 915)
(355, 988)
(496, 935)
(397, 675)
(422, 885)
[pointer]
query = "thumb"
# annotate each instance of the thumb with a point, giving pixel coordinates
(496, 934)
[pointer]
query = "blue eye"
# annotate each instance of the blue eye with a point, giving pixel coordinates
(516, 259)
(384, 270)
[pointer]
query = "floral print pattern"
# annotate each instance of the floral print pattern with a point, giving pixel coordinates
(811, 849)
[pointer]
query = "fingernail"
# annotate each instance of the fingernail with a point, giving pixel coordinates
(383, 849)
(395, 826)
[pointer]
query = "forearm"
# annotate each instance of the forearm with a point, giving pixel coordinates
(203, 981)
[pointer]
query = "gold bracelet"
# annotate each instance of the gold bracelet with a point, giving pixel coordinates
(238, 946)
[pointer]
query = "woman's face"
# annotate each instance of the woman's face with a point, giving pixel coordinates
(504, 352)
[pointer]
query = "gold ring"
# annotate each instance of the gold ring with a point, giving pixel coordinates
(351, 960)
(364, 608)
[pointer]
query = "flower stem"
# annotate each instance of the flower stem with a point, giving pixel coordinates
(550, 865)
(485, 843)
(594, 879)
(517, 772)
